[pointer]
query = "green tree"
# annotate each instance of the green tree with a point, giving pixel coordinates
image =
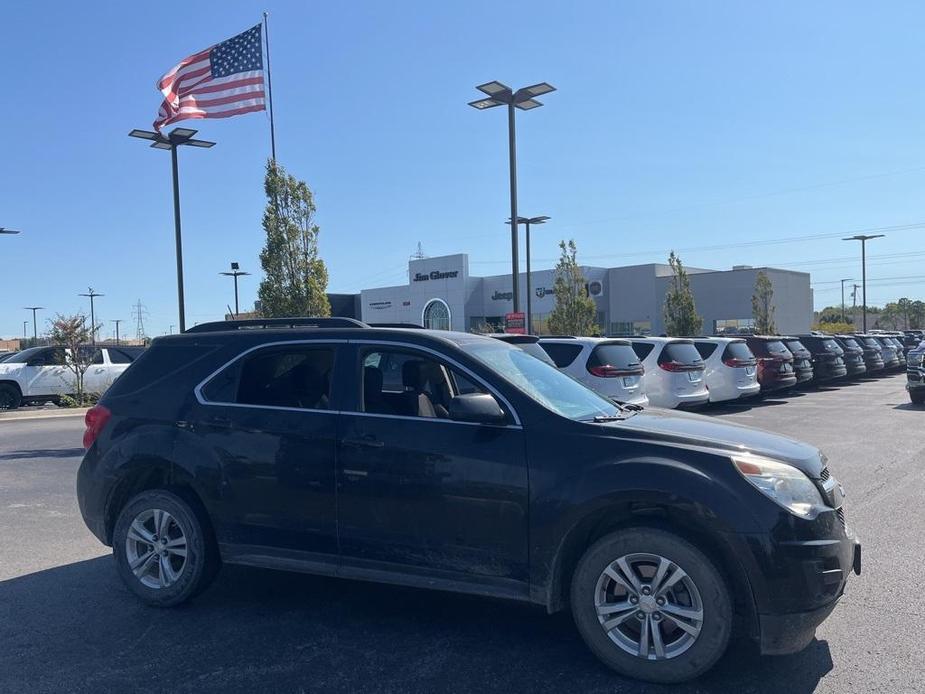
(72, 333)
(575, 312)
(679, 312)
(295, 277)
(762, 305)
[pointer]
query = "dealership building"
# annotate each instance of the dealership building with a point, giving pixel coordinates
(441, 293)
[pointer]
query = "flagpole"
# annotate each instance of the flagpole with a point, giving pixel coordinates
(266, 35)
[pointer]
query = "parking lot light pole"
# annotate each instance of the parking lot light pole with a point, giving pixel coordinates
(864, 238)
(172, 140)
(844, 316)
(117, 321)
(92, 294)
(24, 324)
(524, 99)
(527, 221)
(235, 272)
(35, 329)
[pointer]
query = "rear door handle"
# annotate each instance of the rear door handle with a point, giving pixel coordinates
(367, 441)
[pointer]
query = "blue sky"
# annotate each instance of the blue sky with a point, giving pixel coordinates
(709, 127)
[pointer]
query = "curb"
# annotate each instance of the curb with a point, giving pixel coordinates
(42, 414)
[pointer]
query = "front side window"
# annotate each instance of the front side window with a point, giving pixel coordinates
(411, 384)
(294, 376)
(436, 315)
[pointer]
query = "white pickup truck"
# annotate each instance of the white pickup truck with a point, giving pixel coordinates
(40, 374)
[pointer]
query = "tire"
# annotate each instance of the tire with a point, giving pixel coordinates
(183, 577)
(683, 655)
(917, 396)
(10, 399)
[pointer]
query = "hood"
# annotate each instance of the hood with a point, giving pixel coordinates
(687, 429)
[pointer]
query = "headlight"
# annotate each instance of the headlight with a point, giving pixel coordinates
(782, 483)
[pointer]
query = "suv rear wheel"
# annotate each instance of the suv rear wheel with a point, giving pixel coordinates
(651, 606)
(163, 550)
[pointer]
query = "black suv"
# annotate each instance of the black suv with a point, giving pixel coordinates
(802, 359)
(854, 355)
(828, 357)
(873, 352)
(458, 462)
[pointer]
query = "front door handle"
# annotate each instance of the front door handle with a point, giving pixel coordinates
(366, 441)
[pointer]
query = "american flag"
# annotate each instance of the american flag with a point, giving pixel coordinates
(222, 81)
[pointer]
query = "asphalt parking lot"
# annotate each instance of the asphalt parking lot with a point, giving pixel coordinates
(67, 624)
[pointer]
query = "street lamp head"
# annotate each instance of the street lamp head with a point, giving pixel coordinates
(235, 266)
(181, 133)
(482, 104)
(4, 230)
(162, 145)
(535, 90)
(494, 88)
(528, 104)
(864, 237)
(144, 134)
(529, 220)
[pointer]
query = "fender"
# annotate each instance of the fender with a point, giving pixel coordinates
(698, 494)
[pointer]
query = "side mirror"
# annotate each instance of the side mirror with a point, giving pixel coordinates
(479, 408)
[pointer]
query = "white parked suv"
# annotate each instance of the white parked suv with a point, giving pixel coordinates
(674, 371)
(605, 365)
(39, 374)
(730, 368)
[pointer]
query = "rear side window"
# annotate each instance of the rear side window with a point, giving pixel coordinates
(705, 349)
(534, 350)
(561, 354)
(831, 345)
(796, 346)
(850, 343)
(739, 351)
(679, 353)
(642, 349)
(298, 377)
(157, 362)
(870, 342)
(122, 356)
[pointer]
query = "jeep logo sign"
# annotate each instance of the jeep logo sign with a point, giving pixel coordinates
(436, 275)
(502, 296)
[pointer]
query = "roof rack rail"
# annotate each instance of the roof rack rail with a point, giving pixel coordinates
(559, 337)
(396, 325)
(258, 323)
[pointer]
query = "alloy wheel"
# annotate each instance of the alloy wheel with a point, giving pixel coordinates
(156, 548)
(648, 606)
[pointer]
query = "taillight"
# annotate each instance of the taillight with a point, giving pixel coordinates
(608, 371)
(96, 418)
(678, 366)
(738, 363)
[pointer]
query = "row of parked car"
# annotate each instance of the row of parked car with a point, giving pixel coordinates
(677, 372)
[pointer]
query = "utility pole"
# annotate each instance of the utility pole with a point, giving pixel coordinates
(92, 295)
(117, 321)
(854, 305)
(844, 317)
(24, 324)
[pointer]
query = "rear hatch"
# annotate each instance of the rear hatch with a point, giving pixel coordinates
(738, 356)
(682, 360)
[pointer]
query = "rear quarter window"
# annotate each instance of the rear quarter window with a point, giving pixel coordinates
(561, 354)
(642, 349)
(158, 362)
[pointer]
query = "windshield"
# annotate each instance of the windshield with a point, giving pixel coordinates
(543, 383)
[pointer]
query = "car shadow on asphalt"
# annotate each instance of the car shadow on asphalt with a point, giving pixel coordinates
(44, 453)
(908, 406)
(76, 628)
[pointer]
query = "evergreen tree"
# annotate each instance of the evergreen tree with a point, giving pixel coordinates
(680, 313)
(575, 312)
(295, 277)
(762, 306)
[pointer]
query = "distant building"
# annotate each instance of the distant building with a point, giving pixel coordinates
(441, 293)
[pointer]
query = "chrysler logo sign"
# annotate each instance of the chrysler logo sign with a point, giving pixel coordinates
(435, 275)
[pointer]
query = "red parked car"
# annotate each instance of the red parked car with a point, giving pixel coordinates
(775, 362)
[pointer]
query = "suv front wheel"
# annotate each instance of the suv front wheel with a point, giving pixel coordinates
(162, 548)
(651, 606)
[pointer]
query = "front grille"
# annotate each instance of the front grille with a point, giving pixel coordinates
(840, 512)
(824, 475)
